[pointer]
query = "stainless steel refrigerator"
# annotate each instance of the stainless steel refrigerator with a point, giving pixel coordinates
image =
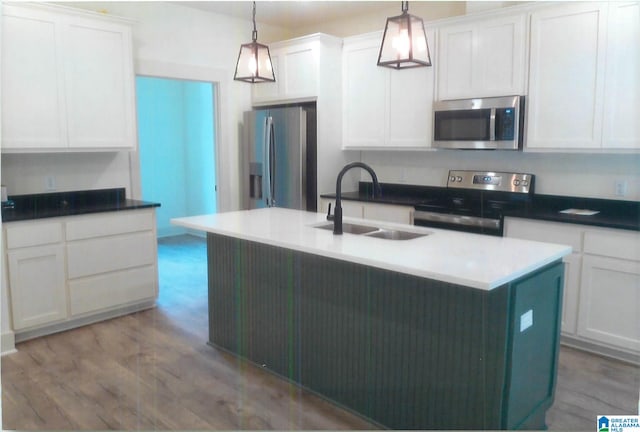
(280, 157)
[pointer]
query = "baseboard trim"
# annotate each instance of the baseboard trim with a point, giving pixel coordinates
(600, 350)
(79, 322)
(7, 343)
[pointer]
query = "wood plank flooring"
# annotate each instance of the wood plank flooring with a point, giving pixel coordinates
(153, 370)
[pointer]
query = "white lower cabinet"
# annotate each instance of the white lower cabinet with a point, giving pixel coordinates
(38, 286)
(64, 272)
(105, 291)
(111, 260)
(601, 309)
(610, 301)
(373, 211)
(389, 213)
(610, 289)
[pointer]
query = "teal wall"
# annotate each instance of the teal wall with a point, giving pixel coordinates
(176, 145)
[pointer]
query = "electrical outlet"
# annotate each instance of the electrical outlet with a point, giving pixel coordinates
(621, 187)
(50, 183)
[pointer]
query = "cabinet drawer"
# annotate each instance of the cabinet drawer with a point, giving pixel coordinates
(613, 243)
(549, 232)
(112, 289)
(94, 256)
(110, 224)
(33, 234)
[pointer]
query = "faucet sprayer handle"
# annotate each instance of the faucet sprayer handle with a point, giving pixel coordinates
(329, 215)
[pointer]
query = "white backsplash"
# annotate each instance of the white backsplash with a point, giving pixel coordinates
(583, 175)
(59, 172)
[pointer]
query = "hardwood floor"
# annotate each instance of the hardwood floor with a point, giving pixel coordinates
(153, 370)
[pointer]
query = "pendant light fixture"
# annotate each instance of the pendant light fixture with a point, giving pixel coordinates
(254, 61)
(404, 43)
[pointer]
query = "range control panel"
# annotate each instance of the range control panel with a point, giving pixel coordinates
(491, 180)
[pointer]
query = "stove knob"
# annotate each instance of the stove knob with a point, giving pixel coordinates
(516, 182)
(459, 178)
(525, 183)
(452, 178)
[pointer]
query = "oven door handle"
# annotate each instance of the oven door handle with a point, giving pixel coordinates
(456, 219)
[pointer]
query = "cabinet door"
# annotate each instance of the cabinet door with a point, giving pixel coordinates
(610, 302)
(364, 100)
(99, 84)
(269, 90)
(352, 209)
(349, 208)
(455, 62)
(296, 70)
(388, 213)
(33, 110)
(500, 57)
(570, 294)
(553, 232)
(621, 127)
(301, 70)
(482, 58)
(410, 101)
(37, 286)
(566, 76)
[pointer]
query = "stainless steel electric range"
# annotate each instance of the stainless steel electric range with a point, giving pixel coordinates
(475, 201)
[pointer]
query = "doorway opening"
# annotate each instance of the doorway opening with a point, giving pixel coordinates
(176, 135)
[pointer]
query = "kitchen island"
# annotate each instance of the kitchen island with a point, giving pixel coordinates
(444, 331)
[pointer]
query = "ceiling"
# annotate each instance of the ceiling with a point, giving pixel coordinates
(294, 14)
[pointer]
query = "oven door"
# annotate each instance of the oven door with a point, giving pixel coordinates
(454, 222)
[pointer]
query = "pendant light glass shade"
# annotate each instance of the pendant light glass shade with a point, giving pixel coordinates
(404, 43)
(254, 60)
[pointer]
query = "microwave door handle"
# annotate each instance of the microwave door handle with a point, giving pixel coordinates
(492, 125)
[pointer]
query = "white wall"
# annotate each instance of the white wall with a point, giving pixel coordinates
(584, 175)
(27, 173)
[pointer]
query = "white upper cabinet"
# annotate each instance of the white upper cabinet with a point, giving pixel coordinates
(621, 128)
(566, 76)
(583, 77)
(33, 104)
(67, 81)
(384, 108)
(482, 57)
(99, 84)
(297, 67)
(363, 90)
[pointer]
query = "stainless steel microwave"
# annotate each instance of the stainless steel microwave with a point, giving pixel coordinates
(495, 123)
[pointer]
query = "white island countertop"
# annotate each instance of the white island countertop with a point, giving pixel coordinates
(474, 260)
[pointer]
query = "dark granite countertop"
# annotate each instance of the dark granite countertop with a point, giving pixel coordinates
(617, 214)
(56, 204)
(611, 213)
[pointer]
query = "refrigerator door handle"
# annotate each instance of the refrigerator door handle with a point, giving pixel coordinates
(266, 151)
(268, 160)
(272, 163)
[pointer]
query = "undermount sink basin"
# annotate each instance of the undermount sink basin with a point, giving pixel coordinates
(394, 234)
(371, 231)
(350, 228)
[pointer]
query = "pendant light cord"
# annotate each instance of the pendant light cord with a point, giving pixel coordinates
(405, 7)
(254, 34)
